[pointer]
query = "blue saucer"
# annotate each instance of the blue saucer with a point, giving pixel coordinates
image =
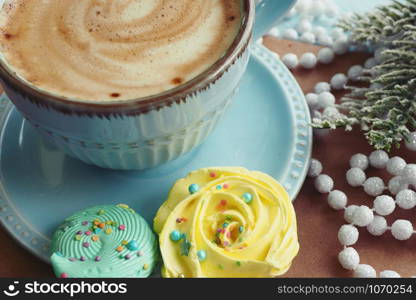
(265, 129)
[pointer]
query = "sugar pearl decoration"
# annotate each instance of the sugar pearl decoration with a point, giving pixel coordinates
(326, 55)
(337, 200)
(290, 34)
(369, 63)
(318, 30)
(348, 213)
(384, 205)
(359, 160)
(337, 33)
(364, 271)
(304, 26)
(402, 229)
(378, 159)
(312, 100)
(324, 183)
(340, 46)
(395, 165)
(274, 32)
(324, 39)
(355, 177)
(406, 199)
(409, 173)
(349, 258)
(378, 226)
(362, 216)
(321, 87)
(315, 168)
(374, 186)
(348, 235)
(389, 274)
(338, 81)
(396, 184)
(290, 60)
(325, 100)
(308, 37)
(411, 142)
(308, 60)
(354, 72)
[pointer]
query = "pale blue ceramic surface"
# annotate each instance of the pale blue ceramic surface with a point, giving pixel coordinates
(265, 129)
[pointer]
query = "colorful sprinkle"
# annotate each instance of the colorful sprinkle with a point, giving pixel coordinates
(97, 258)
(140, 253)
(229, 218)
(59, 253)
(247, 198)
(79, 232)
(128, 256)
(123, 206)
(64, 275)
(145, 266)
(213, 174)
(122, 227)
(225, 186)
(97, 230)
(202, 255)
(133, 246)
(84, 223)
(96, 222)
(85, 244)
(238, 263)
(78, 237)
(225, 225)
(72, 259)
(109, 222)
(223, 202)
(101, 225)
(193, 188)
(181, 220)
(88, 232)
(119, 248)
(221, 267)
(241, 229)
(108, 231)
(124, 242)
(218, 187)
(101, 212)
(95, 238)
(175, 236)
(82, 258)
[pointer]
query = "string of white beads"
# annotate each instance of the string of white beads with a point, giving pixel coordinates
(363, 216)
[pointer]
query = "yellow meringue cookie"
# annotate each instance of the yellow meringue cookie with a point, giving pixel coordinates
(227, 222)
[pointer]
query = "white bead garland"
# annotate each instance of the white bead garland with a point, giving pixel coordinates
(338, 81)
(326, 55)
(355, 72)
(308, 37)
(315, 168)
(312, 100)
(308, 60)
(290, 60)
(411, 142)
(321, 87)
(326, 99)
(371, 218)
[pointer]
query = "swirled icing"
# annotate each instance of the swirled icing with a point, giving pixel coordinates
(115, 49)
(231, 223)
(104, 241)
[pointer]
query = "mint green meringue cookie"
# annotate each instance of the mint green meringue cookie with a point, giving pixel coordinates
(104, 242)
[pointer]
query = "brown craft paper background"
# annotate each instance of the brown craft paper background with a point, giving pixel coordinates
(317, 223)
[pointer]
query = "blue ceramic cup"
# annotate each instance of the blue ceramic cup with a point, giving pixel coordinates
(146, 132)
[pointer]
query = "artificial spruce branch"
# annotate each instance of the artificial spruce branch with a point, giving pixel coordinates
(386, 109)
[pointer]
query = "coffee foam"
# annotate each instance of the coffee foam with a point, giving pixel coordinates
(115, 50)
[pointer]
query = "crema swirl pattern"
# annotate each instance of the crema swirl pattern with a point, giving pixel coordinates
(115, 49)
(227, 222)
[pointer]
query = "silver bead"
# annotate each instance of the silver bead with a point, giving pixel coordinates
(374, 186)
(290, 34)
(308, 37)
(326, 55)
(395, 165)
(406, 199)
(378, 159)
(290, 60)
(355, 177)
(312, 100)
(304, 26)
(338, 81)
(324, 183)
(359, 160)
(315, 168)
(354, 72)
(384, 205)
(325, 100)
(411, 142)
(378, 226)
(349, 258)
(402, 230)
(308, 60)
(397, 184)
(348, 235)
(369, 63)
(364, 271)
(337, 200)
(340, 46)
